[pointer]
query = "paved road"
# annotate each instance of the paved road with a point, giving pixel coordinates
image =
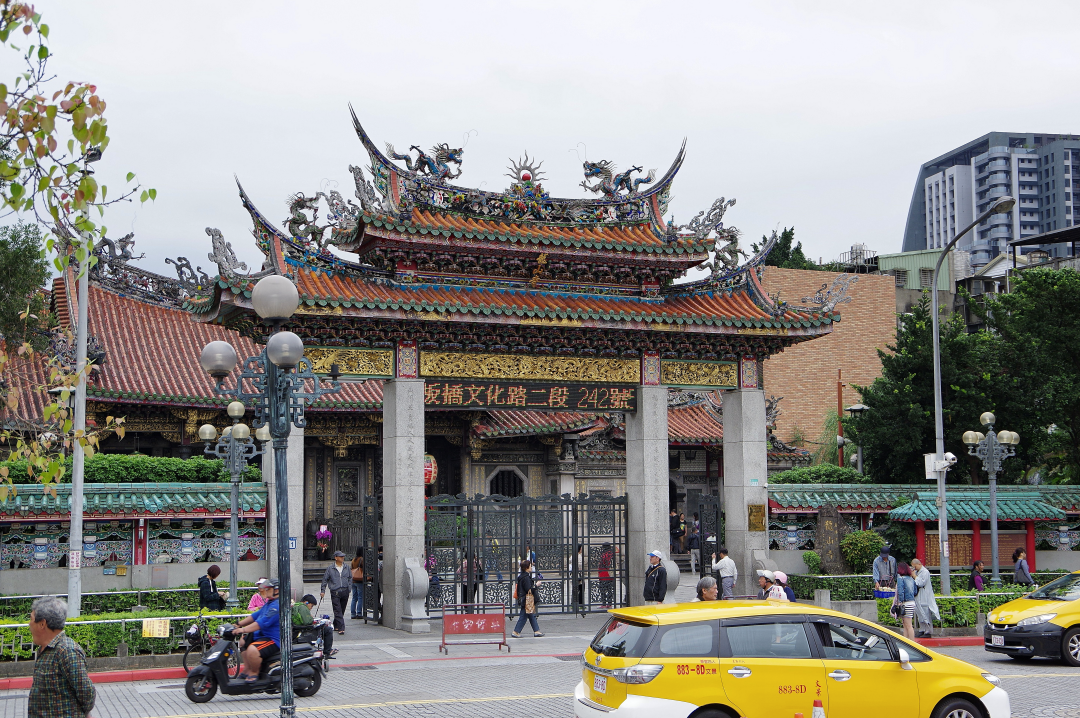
(382, 673)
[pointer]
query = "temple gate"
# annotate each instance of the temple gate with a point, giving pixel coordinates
(468, 308)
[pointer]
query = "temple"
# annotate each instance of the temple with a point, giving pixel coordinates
(517, 344)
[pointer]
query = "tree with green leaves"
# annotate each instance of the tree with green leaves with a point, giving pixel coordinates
(783, 254)
(1037, 328)
(23, 274)
(898, 429)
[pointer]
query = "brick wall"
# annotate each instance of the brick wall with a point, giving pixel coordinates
(805, 374)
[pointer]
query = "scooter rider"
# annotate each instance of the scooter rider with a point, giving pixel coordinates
(264, 623)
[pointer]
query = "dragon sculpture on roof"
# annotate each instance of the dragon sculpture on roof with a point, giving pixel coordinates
(610, 183)
(436, 165)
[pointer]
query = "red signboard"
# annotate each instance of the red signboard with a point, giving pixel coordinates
(474, 628)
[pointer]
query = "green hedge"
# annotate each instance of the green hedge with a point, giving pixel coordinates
(18, 608)
(101, 640)
(820, 474)
(861, 588)
(139, 469)
(959, 610)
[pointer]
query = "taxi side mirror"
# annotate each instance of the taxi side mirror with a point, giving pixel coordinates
(905, 660)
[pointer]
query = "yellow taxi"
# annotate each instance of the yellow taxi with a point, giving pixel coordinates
(1045, 622)
(763, 659)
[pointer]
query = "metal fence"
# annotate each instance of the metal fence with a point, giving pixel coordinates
(474, 548)
(710, 512)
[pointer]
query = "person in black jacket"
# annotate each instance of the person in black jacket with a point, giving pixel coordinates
(209, 598)
(655, 579)
(526, 586)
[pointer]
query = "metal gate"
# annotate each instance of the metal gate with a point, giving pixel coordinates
(362, 529)
(711, 514)
(474, 548)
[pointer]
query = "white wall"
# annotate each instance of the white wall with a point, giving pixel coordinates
(789, 561)
(1050, 560)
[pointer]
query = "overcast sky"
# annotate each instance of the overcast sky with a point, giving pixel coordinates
(816, 115)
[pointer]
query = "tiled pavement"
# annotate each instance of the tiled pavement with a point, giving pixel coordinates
(382, 673)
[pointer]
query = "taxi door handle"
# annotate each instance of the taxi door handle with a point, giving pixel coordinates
(839, 675)
(740, 671)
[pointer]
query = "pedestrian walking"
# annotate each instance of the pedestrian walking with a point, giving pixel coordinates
(976, 582)
(926, 609)
(655, 578)
(1021, 574)
(728, 572)
(673, 529)
(884, 569)
(693, 542)
(357, 569)
(769, 590)
(707, 590)
(525, 594)
(904, 601)
(579, 568)
(605, 572)
(338, 577)
(61, 687)
(682, 533)
(209, 597)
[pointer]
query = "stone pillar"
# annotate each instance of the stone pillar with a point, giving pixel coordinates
(646, 484)
(403, 494)
(745, 474)
(295, 463)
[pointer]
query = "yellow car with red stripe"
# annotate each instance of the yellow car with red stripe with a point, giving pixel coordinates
(726, 659)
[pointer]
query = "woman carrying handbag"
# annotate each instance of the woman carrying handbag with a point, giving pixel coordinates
(525, 593)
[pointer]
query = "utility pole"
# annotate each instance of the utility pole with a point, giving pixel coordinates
(78, 456)
(840, 417)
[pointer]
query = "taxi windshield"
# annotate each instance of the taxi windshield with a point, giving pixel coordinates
(623, 638)
(1066, 588)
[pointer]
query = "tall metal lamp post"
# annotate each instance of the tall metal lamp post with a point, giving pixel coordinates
(992, 449)
(235, 448)
(278, 391)
(1000, 206)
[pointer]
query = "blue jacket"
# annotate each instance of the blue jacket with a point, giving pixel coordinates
(905, 589)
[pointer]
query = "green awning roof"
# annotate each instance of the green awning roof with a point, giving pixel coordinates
(975, 506)
(846, 497)
(134, 499)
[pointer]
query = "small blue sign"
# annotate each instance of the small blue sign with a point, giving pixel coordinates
(292, 542)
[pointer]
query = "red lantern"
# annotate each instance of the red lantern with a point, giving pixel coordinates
(431, 469)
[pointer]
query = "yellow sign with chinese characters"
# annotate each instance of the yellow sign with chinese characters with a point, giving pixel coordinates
(529, 368)
(457, 394)
(155, 628)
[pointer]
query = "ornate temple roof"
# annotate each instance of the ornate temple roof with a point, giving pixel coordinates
(113, 500)
(975, 506)
(426, 249)
(971, 500)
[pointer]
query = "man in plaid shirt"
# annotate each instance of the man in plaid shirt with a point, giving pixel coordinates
(62, 687)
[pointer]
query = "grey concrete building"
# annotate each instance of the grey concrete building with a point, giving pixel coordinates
(955, 187)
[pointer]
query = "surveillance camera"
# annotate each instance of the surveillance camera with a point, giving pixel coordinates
(950, 458)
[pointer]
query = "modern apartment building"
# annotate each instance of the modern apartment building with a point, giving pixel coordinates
(956, 187)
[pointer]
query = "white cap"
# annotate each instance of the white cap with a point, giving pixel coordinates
(657, 554)
(767, 574)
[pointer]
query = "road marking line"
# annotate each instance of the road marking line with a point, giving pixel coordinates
(395, 652)
(384, 704)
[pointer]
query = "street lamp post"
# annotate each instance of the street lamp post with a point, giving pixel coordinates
(856, 410)
(992, 449)
(235, 448)
(278, 384)
(999, 206)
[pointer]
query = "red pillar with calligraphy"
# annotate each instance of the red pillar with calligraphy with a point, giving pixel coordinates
(1030, 545)
(976, 541)
(920, 540)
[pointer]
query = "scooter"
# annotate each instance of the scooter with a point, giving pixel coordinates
(212, 673)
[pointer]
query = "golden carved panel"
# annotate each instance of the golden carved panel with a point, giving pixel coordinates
(370, 362)
(523, 368)
(685, 373)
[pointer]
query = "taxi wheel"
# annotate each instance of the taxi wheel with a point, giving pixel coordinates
(712, 713)
(1070, 646)
(956, 708)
